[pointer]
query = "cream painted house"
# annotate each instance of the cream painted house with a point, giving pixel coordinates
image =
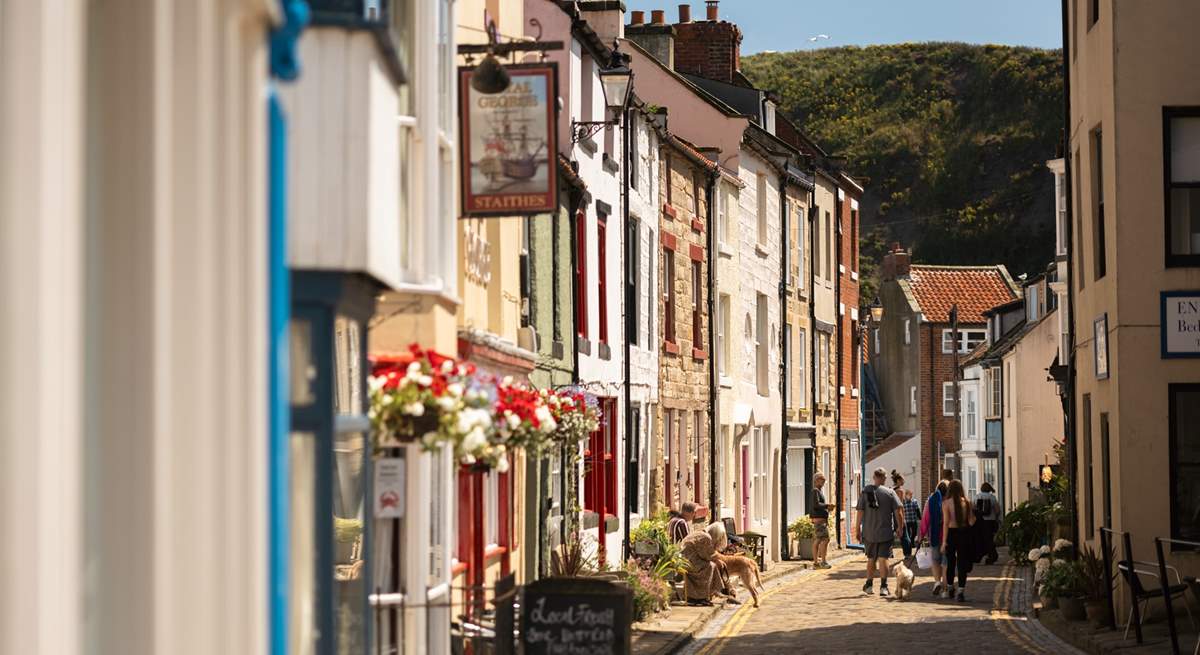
(1134, 166)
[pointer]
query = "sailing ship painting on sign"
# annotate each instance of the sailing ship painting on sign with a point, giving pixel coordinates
(508, 141)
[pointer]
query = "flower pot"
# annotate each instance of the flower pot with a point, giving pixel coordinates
(1072, 608)
(1098, 612)
(1049, 602)
(804, 548)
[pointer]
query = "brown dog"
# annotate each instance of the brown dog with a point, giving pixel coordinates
(745, 569)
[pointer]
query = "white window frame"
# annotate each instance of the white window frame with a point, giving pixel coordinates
(912, 400)
(968, 340)
(970, 414)
(761, 202)
(996, 392)
(948, 399)
(722, 216)
(801, 351)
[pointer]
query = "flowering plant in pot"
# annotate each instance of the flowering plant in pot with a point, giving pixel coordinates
(1098, 582)
(417, 397)
(523, 416)
(575, 414)
(804, 533)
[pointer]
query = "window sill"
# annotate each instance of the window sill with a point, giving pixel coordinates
(585, 346)
(669, 211)
(670, 348)
(697, 225)
(761, 250)
(493, 552)
(610, 165)
(699, 354)
(458, 568)
(724, 250)
(605, 351)
(726, 382)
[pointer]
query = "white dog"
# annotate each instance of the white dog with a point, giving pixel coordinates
(904, 579)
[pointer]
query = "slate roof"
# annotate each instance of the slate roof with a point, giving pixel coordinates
(975, 289)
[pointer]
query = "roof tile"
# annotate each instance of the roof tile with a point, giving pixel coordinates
(975, 289)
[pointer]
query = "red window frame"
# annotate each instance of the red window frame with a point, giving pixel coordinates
(602, 252)
(581, 252)
(600, 475)
(697, 300)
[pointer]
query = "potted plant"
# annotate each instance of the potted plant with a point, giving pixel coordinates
(803, 534)
(1072, 592)
(1098, 582)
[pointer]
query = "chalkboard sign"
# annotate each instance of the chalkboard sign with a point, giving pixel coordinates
(576, 616)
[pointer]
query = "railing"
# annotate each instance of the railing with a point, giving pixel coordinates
(1166, 585)
(1106, 552)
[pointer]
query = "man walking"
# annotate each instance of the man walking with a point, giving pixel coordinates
(880, 523)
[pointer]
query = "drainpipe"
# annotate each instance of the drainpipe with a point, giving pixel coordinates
(713, 375)
(785, 349)
(837, 412)
(813, 218)
(630, 308)
(936, 475)
(1072, 446)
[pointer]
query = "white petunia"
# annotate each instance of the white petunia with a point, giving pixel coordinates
(447, 367)
(474, 440)
(502, 465)
(545, 419)
(414, 369)
(415, 408)
(446, 403)
(455, 389)
(507, 381)
(424, 380)
(514, 421)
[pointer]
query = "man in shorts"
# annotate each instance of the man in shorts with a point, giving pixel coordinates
(880, 523)
(818, 511)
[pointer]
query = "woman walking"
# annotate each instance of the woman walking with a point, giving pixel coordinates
(931, 527)
(987, 510)
(957, 544)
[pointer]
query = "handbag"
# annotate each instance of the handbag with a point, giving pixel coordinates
(924, 557)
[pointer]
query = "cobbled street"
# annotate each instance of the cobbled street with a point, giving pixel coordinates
(827, 612)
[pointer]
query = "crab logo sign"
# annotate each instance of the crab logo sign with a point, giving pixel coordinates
(389, 488)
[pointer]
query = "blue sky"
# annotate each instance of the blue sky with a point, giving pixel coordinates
(785, 25)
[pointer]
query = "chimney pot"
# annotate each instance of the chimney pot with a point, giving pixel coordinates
(638, 17)
(711, 7)
(685, 13)
(658, 16)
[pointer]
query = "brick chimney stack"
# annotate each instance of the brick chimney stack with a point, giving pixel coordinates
(685, 13)
(896, 263)
(656, 37)
(637, 18)
(710, 48)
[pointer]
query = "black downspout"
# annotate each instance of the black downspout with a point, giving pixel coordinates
(933, 412)
(713, 381)
(630, 308)
(1072, 446)
(837, 412)
(785, 350)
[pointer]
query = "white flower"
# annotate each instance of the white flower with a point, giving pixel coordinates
(376, 382)
(424, 380)
(446, 403)
(507, 381)
(502, 465)
(462, 369)
(1045, 550)
(514, 421)
(474, 440)
(415, 408)
(387, 399)
(447, 367)
(1061, 545)
(1039, 569)
(545, 419)
(1058, 562)
(1034, 554)
(414, 369)
(468, 459)
(455, 389)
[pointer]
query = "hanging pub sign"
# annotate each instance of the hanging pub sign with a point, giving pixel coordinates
(1180, 324)
(509, 143)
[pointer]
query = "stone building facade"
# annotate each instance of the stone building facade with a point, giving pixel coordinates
(684, 387)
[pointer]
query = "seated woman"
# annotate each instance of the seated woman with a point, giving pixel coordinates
(704, 576)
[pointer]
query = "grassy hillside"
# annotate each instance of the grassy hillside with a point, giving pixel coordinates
(953, 137)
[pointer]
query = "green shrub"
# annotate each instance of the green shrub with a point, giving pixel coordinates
(1065, 578)
(802, 528)
(1024, 528)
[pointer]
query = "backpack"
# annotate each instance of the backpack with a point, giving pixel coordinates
(983, 507)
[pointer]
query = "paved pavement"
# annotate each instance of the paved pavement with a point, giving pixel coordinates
(826, 612)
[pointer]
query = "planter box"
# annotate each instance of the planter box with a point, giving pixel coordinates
(645, 548)
(1072, 608)
(803, 548)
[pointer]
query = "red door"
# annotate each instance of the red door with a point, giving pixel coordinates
(745, 488)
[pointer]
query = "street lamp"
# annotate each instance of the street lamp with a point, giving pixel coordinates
(616, 83)
(876, 311)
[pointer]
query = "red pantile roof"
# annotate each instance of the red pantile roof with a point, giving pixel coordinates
(975, 289)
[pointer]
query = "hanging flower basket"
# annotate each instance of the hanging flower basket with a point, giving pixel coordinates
(417, 397)
(576, 414)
